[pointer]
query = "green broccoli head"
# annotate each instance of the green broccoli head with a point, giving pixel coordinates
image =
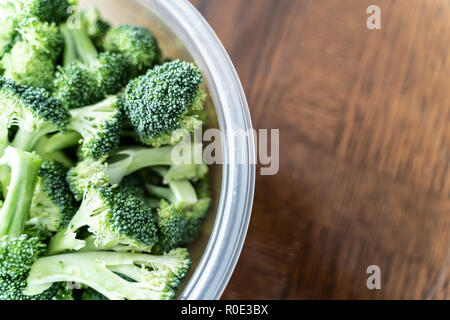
(165, 99)
(112, 71)
(17, 256)
(172, 226)
(42, 36)
(114, 217)
(137, 44)
(100, 126)
(28, 66)
(53, 203)
(76, 86)
(32, 110)
(115, 275)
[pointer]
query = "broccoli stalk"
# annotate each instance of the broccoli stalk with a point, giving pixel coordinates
(53, 204)
(180, 193)
(85, 48)
(92, 76)
(18, 251)
(24, 172)
(116, 275)
(70, 50)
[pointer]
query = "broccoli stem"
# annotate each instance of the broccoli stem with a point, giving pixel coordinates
(58, 156)
(24, 172)
(92, 269)
(136, 159)
(25, 140)
(85, 48)
(60, 141)
(180, 193)
(70, 50)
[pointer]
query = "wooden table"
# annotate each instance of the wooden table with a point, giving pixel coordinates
(365, 142)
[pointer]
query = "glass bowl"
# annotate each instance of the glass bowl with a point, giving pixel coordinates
(184, 34)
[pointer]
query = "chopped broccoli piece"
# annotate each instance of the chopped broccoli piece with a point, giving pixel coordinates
(32, 111)
(110, 273)
(29, 66)
(137, 44)
(115, 218)
(17, 250)
(53, 204)
(91, 79)
(164, 100)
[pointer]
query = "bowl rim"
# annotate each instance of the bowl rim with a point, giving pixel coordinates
(226, 241)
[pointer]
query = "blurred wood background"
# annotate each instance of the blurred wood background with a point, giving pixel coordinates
(365, 142)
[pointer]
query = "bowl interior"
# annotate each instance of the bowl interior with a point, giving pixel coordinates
(120, 12)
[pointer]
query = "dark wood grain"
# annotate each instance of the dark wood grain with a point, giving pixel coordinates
(365, 142)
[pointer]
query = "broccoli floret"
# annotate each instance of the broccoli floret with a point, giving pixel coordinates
(29, 66)
(188, 200)
(115, 217)
(44, 10)
(137, 44)
(7, 33)
(42, 36)
(172, 227)
(32, 111)
(17, 250)
(76, 86)
(115, 275)
(91, 79)
(112, 71)
(97, 127)
(53, 204)
(95, 26)
(164, 100)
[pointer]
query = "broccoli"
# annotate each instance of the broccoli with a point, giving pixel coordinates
(42, 36)
(17, 250)
(99, 184)
(97, 127)
(189, 201)
(115, 275)
(164, 100)
(95, 27)
(137, 44)
(44, 10)
(28, 66)
(111, 170)
(31, 61)
(115, 217)
(53, 204)
(90, 78)
(32, 111)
